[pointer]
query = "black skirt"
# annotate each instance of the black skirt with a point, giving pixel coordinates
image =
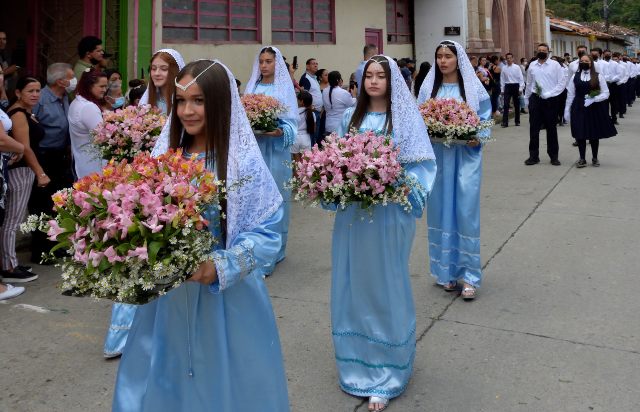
(593, 122)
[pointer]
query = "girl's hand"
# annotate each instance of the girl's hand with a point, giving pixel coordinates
(43, 180)
(15, 158)
(205, 274)
(473, 143)
(275, 133)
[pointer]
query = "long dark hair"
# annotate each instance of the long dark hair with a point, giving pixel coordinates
(215, 87)
(437, 83)
(362, 106)
(319, 74)
(307, 101)
(422, 74)
(334, 80)
(86, 82)
(23, 82)
(169, 86)
(594, 83)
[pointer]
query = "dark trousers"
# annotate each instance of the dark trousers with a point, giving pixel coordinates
(637, 86)
(622, 99)
(543, 113)
(582, 148)
(511, 91)
(613, 100)
(562, 100)
(57, 165)
(631, 90)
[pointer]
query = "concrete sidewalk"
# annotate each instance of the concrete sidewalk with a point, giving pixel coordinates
(554, 328)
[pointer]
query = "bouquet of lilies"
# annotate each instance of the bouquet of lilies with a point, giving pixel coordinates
(262, 111)
(452, 121)
(135, 231)
(359, 168)
(125, 133)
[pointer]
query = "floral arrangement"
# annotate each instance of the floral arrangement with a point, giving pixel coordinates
(449, 121)
(136, 230)
(262, 111)
(538, 89)
(124, 133)
(593, 93)
(361, 167)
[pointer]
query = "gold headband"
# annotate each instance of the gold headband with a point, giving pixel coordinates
(186, 86)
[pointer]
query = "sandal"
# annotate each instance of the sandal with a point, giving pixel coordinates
(377, 400)
(468, 292)
(450, 286)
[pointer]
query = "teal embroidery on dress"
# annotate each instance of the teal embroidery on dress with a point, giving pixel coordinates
(375, 340)
(376, 366)
(373, 391)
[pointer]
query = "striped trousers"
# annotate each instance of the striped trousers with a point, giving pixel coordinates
(18, 193)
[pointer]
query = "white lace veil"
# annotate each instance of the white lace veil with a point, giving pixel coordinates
(282, 83)
(473, 89)
(179, 61)
(252, 194)
(409, 131)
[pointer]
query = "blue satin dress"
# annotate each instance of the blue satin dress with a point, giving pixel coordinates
(209, 348)
(373, 318)
(453, 208)
(277, 155)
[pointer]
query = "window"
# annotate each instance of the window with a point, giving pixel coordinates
(211, 21)
(303, 21)
(399, 21)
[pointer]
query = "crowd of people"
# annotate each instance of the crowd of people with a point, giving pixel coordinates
(46, 139)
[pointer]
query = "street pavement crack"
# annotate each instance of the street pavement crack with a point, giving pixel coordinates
(539, 335)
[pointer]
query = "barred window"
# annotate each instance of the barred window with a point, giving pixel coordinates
(211, 21)
(303, 21)
(399, 21)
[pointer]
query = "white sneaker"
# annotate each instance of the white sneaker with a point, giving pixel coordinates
(11, 292)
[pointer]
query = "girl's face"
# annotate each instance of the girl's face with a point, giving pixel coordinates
(375, 80)
(300, 103)
(483, 61)
(99, 88)
(585, 59)
(447, 61)
(190, 108)
(114, 77)
(325, 77)
(30, 95)
(159, 71)
(267, 64)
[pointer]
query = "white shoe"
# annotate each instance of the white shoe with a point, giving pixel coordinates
(11, 292)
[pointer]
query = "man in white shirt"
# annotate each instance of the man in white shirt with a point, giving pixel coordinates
(573, 66)
(611, 76)
(623, 76)
(310, 83)
(511, 87)
(545, 81)
(631, 82)
(368, 52)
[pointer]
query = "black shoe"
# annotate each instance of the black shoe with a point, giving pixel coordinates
(621, 116)
(555, 162)
(517, 124)
(615, 122)
(504, 125)
(595, 162)
(574, 144)
(531, 161)
(523, 111)
(18, 276)
(581, 163)
(25, 268)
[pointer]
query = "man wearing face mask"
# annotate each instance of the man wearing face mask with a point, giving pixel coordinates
(53, 153)
(610, 73)
(545, 82)
(623, 78)
(631, 83)
(91, 54)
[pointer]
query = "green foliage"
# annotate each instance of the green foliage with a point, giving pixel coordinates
(622, 12)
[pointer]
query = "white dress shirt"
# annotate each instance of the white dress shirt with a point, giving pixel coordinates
(314, 89)
(571, 91)
(84, 116)
(511, 74)
(548, 75)
(623, 73)
(341, 100)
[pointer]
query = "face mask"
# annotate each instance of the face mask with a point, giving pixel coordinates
(595, 58)
(72, 85)
(584, 66)
(118, 102)
(607, 58)
(542, 55)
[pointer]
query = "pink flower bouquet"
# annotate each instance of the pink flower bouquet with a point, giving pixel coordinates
(262, 111)
(451, 121)
(126, 132)
(361, 167)
(136, 230)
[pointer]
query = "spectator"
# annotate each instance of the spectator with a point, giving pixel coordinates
(336, 100)
(53, 153)
(368, 52)
(306, 124)
(474, 62)
(406, 73)
(84, 116)
(292, 73)
(8, 66)
(27, 131)
(322, 76)
(422, 74)
(91, 54)
(494, 74)
(4, 99)
(310, 83)
(511, 87)
(137, 88)
(483, 73)
(114, 97)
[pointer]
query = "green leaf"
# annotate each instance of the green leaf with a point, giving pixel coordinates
(153, 249)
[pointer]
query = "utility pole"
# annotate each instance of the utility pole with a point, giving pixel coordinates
(605, 3)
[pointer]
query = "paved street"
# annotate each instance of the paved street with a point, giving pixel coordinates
(555, 326)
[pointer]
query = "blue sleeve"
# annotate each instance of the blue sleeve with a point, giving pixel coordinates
(424, 173)
(249, 251)
(346, 118)
(290, 130)
(485, 114)
(304, 82)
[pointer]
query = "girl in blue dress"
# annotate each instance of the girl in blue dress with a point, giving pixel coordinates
(212, 343)
(165, 64)
(373, 318)
(453, 209)
(271, 77)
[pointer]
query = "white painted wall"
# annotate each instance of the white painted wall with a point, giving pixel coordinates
(431, 17)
